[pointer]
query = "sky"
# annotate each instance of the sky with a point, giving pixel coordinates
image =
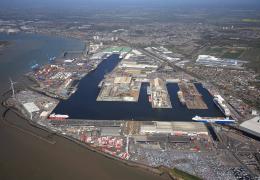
(136, 3)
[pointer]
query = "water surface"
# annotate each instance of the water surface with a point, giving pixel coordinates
(28, 49)
(23, 156)
(83, 104)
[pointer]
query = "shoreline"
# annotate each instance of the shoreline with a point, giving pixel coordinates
(7, 109)
(154, 170)
(71, 146)
(41, 122)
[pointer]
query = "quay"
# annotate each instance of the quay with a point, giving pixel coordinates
(192, 98)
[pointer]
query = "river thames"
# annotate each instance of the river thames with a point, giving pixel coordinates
(24, 156)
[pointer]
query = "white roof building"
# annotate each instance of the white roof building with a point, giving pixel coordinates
(207, 58)
(252, 126)
(174, 128)
(31, 107)
(44, 114)
(147, 129)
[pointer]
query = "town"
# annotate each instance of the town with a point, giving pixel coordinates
(143, 62)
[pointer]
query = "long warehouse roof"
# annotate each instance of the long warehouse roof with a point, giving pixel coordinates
(252, 126)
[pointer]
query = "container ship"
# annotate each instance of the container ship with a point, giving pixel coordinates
(52, 59)
(58, 116)
(218, 120)
(220, 102)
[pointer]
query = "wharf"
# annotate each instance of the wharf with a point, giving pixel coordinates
(119, 89)
(85, 122)
(159, 94)
(193, 99)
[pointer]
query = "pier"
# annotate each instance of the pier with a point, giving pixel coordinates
(192, 98)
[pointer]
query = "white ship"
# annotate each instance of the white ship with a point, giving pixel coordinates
(58, 116)
(220, 102)
(218, 120)
(148, 90)
(181, 97)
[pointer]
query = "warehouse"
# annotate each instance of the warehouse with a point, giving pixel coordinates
(252, 126)
(110, 131)
(174, 128)
(213, 61)
(31, 107)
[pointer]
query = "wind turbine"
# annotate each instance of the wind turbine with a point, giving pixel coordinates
(12, 87)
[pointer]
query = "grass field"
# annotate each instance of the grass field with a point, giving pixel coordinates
(253, 56)
(224, 52)
(178, 174)
(216, 49)
(249, 20)
(233, 54)
(183, 175)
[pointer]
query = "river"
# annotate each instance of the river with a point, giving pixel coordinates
(23, 156)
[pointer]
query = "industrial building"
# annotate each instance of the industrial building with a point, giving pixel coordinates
(110, 131)
(159, 94)
(174, 128)
(31, 107)
(212, 61)
(252, 126)
(122, 80)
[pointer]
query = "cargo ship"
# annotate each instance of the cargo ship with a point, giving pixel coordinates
(58, 116)
(148, 90)
(100, 84)
(35, 66)
(218, 120)
(51, 59)
(220, 102)
(181, 98)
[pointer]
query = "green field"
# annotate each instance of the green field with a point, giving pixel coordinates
(249, 20)
(125, 49)
(117, 49)
(224, 52)
(183, 175)
(215, 51)
(235, 54)
(178, 174)
(253, 56)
